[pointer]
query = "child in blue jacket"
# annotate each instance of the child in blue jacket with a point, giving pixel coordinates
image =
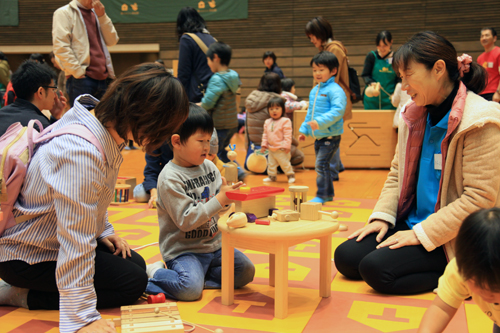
(220, 96)
(327, 102)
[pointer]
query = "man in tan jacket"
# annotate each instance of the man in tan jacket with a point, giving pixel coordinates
(81, 33)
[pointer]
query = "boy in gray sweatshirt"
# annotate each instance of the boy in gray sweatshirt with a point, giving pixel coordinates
(191, 194)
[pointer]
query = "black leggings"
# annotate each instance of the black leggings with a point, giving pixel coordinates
(404, 271)
(117, 281)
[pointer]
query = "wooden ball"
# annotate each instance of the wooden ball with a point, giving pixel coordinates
(218, 330)
(157, 310)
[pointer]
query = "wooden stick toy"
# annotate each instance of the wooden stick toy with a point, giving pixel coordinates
(122, 194)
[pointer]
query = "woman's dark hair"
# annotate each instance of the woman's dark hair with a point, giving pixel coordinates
(320, 28)
(270, 82)
(147, 101)
(3, 56)
(189, 20)
(160, 61)
(383, 36)
(477, 252)
(269, 54)
(37, 57)
(277, 101)
(287, 84)
(493, 31)
(428, 47)
(197, 120)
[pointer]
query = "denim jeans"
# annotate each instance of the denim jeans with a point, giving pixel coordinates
(224, 136)
(87, 85)
(188, 274)
(140, 194)
(336, 166)
(325, 150)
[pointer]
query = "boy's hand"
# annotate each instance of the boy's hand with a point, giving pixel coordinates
(302, 137)
(263, 150)
(314, 125)
(222, 197)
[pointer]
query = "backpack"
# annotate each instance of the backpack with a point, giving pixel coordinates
(17, 146)
(353, 87)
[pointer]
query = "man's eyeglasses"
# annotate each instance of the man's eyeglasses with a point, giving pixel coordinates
(50, 87)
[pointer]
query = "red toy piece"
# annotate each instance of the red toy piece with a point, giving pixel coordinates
(160, 298)
(254, 193)
(263, 222)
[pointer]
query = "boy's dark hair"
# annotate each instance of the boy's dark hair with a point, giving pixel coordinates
(320, 28)
(37, 57)
(269, 54)
(29, 77)
(327, 59)
(3, 56)
(147, 101)
(197, 120)
(189, 20)
(160, 61)
(270, 82)
(287, 84)
(477, 246)
(383, 36)
(493, 31)
(222, 50)
(277, 101)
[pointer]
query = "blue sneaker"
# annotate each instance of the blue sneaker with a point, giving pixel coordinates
(321, 200)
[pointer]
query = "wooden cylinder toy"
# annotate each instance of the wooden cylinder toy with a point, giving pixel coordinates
(298, 195)
(160, 298)
(122, 194)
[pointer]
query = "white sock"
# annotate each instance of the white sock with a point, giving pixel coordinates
(13, 296)
(151, 269)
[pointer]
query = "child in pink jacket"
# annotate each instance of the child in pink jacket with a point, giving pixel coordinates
(277, 138)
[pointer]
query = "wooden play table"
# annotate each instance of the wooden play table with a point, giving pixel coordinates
(275, 239)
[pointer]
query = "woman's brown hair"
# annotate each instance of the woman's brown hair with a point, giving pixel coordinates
(270, 82)
(147, 101)
(428, 47)
(320, 28)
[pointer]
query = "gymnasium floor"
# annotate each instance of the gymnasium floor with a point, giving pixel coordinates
(352, 307)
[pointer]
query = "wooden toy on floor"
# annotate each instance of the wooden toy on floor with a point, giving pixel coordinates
(122, 194)
(129, 181)
(257, 201)
(151, 318)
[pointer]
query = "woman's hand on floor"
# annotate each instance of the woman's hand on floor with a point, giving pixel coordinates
(376, 226)
(400, 239)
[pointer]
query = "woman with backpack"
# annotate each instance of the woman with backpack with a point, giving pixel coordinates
(66, 256)
(320, 33)
(194, 40)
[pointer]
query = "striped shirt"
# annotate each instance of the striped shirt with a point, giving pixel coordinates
(71, 185)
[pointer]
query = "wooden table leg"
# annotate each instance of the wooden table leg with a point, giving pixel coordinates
(281, 289)
(227, 278)
(325, 266)
(272, 264)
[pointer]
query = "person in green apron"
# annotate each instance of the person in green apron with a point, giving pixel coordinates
(378, 68)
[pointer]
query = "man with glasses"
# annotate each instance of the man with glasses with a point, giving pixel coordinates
(35, 87)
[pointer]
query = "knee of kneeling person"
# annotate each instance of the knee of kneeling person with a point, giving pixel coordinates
(140, 195)
(246, 276)
(344, 262)
(377, 275)
(189, 293)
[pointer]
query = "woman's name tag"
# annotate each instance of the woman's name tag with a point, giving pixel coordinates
(438, 162)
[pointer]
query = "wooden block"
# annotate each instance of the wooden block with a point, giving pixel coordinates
(310, 211)
(258, 207)
(286, 215)
(263, 222)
